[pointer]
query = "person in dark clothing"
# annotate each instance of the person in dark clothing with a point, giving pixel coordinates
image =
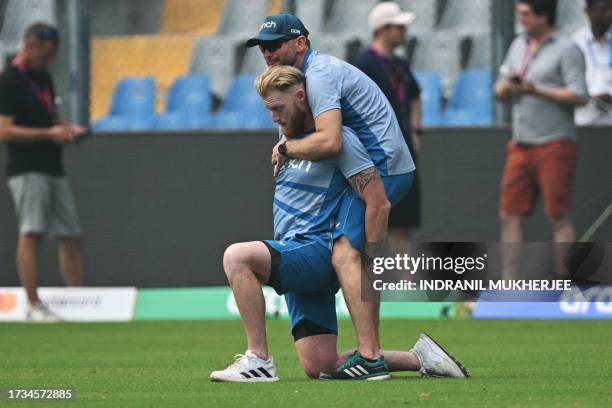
(34, 134)
(394, 77)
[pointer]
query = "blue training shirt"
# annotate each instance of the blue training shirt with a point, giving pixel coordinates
(335, 84)
(308, 193)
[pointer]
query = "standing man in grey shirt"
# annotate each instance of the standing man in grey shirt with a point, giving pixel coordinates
(545, 82)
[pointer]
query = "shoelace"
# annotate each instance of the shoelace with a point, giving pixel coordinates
(348, 362)
(238, 360)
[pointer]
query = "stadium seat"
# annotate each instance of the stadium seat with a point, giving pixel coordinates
(188, 104)
(216, 57)
(473, 13)
(179, 120)
(124, 123)
(191, 16)
(313, 14)
(241, 94)
(163, 57)
(471, 102)
(439, 51)
(258, 119)
(132, 106)
(134, 97)
(241, 16)
(425, 12)
(228, 120)
(345, 13)
(242, 98)
(431, 96)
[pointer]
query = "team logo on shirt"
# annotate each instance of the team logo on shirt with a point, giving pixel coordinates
(298, 164)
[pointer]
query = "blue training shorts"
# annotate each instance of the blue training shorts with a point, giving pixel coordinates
(351, 216)
(302, 270)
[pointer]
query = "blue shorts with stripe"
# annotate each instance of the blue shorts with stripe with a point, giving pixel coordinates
(351, 216)
(302, 270)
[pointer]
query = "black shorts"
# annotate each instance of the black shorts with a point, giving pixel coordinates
(407, 212)
(306, 328)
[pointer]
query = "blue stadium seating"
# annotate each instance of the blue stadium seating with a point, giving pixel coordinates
(134, 97)
(228, 119)
(188, 104)
(180, 120)
(431, 96)
(132, 106)
(471, 103)
(242, 97)
(258, 119)
(123, 123)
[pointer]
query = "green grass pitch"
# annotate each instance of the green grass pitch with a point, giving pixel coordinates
(145, 364)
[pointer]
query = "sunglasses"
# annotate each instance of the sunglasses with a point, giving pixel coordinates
(272, 46)
(45, 34)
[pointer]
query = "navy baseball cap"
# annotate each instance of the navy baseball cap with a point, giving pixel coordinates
(277, 27)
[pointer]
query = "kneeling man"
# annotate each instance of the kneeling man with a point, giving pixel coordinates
(297, 263)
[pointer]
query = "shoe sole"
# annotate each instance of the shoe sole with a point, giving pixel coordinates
(244, 380)
(375, 377)
(458, 364)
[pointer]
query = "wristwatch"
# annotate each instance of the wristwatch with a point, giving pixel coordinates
(282, 148)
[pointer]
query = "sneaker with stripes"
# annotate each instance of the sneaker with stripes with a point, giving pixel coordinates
(247, 368)
(357, 368)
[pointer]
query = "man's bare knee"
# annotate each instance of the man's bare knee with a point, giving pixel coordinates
(233, 261)
(343, 253)
(312, 368)
(246, 258)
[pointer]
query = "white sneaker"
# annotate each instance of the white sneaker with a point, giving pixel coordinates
(435, 361)
(38, 312)
(247, 368)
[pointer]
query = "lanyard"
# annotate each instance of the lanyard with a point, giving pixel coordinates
(526, 60)
(591, 54)
(42, 93)
(395, 77)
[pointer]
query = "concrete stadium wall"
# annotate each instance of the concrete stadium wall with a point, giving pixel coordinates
(159, 210)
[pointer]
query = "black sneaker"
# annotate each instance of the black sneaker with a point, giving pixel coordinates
(357, 368)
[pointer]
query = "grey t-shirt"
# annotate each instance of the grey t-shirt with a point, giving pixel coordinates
(334, 84)
(558, 63)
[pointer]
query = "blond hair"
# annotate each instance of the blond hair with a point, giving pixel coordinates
(278, 78)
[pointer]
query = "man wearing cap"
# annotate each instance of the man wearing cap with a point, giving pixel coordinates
(339, 94)
(298, 262)
(393, 75)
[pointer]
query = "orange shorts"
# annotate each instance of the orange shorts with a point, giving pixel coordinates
(548, 168)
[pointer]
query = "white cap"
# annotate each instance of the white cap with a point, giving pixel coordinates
(388, 12)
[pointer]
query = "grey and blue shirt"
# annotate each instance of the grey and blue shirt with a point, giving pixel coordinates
(308, 193)
(334, 84)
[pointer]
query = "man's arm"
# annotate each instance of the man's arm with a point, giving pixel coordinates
(9, 132)
(502, 90)
(326, 141)
(370, 189)
(563, 96)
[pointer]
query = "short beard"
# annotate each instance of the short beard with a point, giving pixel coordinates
(296, 125)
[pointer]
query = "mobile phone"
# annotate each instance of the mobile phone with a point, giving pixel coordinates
(516, 78)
